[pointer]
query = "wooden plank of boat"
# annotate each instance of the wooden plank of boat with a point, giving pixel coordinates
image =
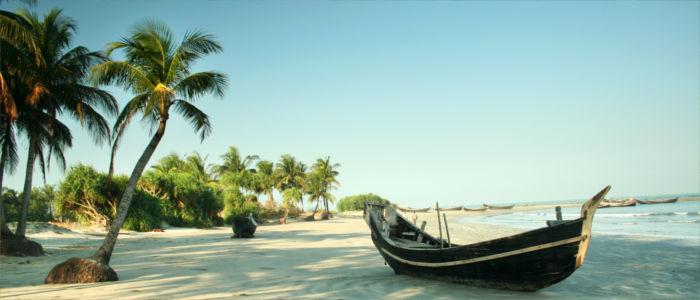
(527, 261)
(658, 201)
(498, 207)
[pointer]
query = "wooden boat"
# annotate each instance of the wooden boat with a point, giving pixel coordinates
(670, 200)
(411, 210)
(483, 208)
(455, 208)
(244, 227)
(527, 261)
(498, 207)
(626, 202)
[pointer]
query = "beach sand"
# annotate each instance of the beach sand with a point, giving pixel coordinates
(332, 259)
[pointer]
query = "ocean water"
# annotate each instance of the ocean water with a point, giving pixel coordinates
(680, 220)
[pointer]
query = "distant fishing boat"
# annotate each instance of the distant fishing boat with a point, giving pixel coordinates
(658, 201)
(411, 210)
(527, 261)
(455, 208)
(483, 208)
(618, 203)
(498, 207)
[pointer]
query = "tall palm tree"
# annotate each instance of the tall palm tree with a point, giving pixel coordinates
(15, 34)
(289, 173)
(157, 71)
(49, 87)
(326, 175)
(266, 173)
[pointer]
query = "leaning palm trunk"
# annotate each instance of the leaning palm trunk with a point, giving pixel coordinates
(31, 157)
(4, 229)
(104, 253)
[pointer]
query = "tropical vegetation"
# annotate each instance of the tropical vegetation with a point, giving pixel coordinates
(357, 202)
(43, 81)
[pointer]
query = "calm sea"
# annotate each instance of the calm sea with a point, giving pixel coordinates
(680, 220)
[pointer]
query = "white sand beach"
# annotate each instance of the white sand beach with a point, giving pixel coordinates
(332, 259)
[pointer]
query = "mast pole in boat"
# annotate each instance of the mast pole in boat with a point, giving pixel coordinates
(447, 230)
(437, 208)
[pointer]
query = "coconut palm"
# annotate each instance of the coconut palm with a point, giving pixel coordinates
(51, 86)
(290, 173)
(157, 72)
(266, 174)
(326, 173)
(234, 163)
(196, 165)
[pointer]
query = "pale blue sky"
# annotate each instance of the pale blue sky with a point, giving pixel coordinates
(461, 102)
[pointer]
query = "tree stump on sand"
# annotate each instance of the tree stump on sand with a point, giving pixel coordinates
(14, 245)
(322, 215)
(78, 270)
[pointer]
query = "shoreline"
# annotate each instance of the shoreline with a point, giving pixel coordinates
(321, 259)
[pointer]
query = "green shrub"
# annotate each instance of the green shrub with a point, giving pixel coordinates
(85, 195)
(357, 202)
(184, 200)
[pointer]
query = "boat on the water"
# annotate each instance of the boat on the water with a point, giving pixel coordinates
(658, 201)
(618, 203)
(527, 261)
(411, 210)
(498, 207)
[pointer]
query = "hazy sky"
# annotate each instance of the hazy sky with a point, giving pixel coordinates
(461, 102)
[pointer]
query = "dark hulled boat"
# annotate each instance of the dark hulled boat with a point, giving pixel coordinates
(527, 261)
(658, 201)
(244, 227)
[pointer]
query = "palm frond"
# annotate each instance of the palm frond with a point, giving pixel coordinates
(197, 118)
(198, 84)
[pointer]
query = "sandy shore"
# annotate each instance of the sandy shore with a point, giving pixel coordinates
(332, 259)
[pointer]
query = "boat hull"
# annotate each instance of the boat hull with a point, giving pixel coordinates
(527, 262)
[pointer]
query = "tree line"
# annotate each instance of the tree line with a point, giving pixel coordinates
(44, 80)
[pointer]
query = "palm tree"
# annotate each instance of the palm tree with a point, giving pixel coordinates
(326, 175)
(265, 172)
(233, 163)
(290, 173)
(196, 165)
(157, 71)
(49, 86)
(15, 34)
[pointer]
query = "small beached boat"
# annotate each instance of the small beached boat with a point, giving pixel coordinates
(244, 227)
(455, 208)
(498, 207)
(658, 201)
(527, 261)
(483, 208)
(411, 210)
